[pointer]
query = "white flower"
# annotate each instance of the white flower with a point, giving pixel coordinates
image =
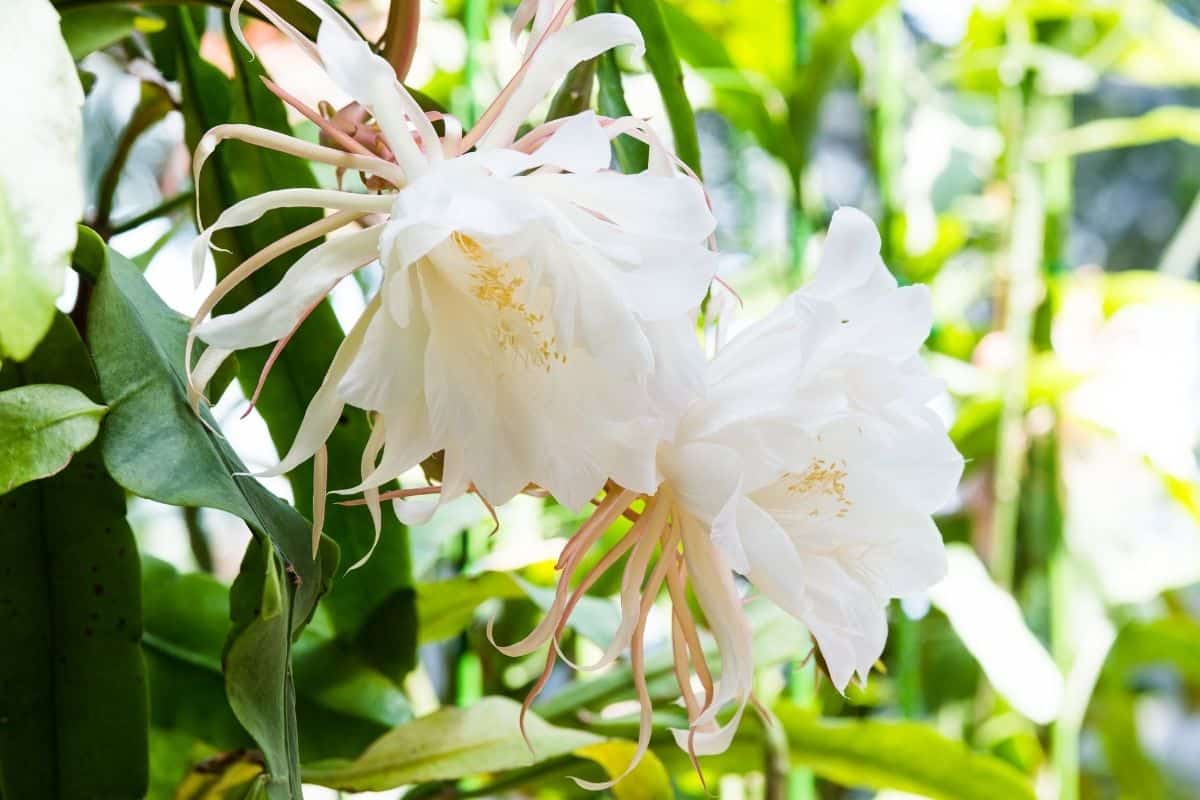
(807, 461)
(813, 458)
(525, 283)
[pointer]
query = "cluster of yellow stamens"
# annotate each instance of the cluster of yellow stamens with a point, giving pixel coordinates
(494, 284)
(822, 478)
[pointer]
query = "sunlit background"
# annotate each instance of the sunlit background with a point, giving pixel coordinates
(1035, 164)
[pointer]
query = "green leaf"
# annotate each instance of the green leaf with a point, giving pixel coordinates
(867, 753)
(41, 427)
(73, 702)
(448, 744)
(154, 103)
(908, 756)
(445, 608)
(41, 185)
(664, 66)
(156, 447)
(372, 607)
(648, 780)
(92, 28)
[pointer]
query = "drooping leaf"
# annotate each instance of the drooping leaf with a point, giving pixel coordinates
(155, 446)
(372, 607)
(41, 187)
(448, 744)
(72, 679)
(90, 28)
(41, 427)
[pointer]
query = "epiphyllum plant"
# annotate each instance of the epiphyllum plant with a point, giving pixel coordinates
(518, 328)
(810, 463)
(536, 323)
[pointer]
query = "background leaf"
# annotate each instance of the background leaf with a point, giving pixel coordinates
(41, 427)
(448, 744)
(155, 446)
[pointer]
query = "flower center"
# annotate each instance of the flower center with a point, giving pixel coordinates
(518, 331)
(823, 486)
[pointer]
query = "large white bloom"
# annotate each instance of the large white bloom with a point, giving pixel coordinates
(807, 461)
(813, 458)
(525, 283)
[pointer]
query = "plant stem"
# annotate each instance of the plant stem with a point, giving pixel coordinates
(161, 209)
(474, 25)
(668, 75)
(1020, 277)
(1182, 254)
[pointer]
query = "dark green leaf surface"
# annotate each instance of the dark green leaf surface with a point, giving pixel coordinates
(73, 717)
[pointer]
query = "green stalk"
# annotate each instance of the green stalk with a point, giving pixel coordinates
(1051, 115)
(474, 25)
(664, 65)
(1020, 277)
(631, 154)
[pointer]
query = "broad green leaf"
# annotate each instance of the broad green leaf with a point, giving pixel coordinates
(41, 427)
(372, 607)
(871, 754)
(155, 446)
(41, 187)
(648, 780)
(72, 678)
(448, 744)
(91, 28)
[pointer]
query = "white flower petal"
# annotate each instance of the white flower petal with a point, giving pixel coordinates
(251, 209)
(580, 145)
(558, 53)
(325, 408)
(272, 315)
